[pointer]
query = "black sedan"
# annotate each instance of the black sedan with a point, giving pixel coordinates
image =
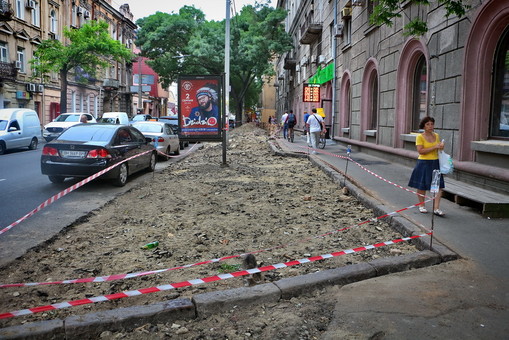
(85, 149)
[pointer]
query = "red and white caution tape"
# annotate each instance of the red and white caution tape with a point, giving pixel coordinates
(65, 192)
(363, 168)
(194, 282)
(151, 272)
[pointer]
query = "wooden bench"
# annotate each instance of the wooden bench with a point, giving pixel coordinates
(490, 204)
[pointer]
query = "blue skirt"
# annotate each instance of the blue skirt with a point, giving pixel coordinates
(423, 174)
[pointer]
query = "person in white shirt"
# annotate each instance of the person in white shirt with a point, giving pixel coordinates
(315, 126)
(284, 122)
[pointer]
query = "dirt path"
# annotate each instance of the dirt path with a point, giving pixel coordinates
(197, 211)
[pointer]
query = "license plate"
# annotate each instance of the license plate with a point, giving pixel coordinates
(72, 154)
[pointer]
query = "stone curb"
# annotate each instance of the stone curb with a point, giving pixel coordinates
(206, 304)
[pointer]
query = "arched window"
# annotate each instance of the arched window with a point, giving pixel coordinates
(420, 90)
(53, 21)
(499, 120)
(369, 100)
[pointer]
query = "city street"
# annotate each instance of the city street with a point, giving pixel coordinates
(23, 188)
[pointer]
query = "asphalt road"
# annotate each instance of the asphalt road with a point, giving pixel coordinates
(23, 188)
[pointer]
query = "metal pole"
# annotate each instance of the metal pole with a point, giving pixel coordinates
(226, 112)
(334, 56)
(140, 103)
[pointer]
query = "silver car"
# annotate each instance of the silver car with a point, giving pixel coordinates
(164, 138)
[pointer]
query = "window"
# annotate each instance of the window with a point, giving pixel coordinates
(499, 120)
(347, 32)
(20, 9)
(73, 102)
(36, 15)
(4, 52)
(373, 108)
(53, 21)
(35, 61)
(74, 16)
(21, 58)
(419, 93)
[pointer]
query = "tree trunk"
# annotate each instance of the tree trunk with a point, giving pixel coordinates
(63, 91)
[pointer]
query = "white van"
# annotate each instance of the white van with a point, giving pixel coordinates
(115, 118)
(19, 128)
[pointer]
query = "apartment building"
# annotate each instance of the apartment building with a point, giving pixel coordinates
(375, 84)
(24, 24)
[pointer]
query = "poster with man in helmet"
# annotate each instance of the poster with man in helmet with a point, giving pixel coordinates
(199, 107)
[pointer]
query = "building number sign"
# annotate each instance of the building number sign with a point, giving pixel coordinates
(311, 93)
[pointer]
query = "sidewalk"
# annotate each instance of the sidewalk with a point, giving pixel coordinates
(466, 298)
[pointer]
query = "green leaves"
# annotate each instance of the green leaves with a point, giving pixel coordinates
(186, 43)
(387, 10)
(89, 47)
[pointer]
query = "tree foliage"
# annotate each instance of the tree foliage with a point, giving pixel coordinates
(386, 11)
(89, 48)
(186, 43)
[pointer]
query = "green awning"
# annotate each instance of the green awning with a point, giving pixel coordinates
(322, 75)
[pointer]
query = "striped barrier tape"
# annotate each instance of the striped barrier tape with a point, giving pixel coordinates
(74, 187)
(151, 272)
(65, 192)
(362, 167)
(194, 282)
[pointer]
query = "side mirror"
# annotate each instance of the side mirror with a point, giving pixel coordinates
(148, 140)
(12, 128)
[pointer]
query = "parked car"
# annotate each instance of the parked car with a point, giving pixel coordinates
(114, 118)
(19, 128)
(162, 135)
(140, 118)
(174, 121)
(85, 149)
(65, 120)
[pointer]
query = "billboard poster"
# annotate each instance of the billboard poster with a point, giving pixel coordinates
(200, 99)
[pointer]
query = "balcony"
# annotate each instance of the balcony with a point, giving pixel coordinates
(8, 71)
(310, 32)
(290, 63)
(110, 84)
(6, 11)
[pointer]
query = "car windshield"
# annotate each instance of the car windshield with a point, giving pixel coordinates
(137, 118)
(107, 120)
(86, 133)
(68, 118)
(155, 128)
(3, 124)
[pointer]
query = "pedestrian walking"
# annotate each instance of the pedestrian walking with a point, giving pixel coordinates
(306, 132)
(427, 144)
(315, 126)
(284, 123)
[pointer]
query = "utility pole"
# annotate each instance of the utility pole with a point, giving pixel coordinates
(226, 113)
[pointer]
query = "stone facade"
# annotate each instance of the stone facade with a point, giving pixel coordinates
(24, 24)
(384, 82)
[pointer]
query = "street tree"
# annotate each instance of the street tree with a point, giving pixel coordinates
(186, 43)
(385, 11)
(85, 50)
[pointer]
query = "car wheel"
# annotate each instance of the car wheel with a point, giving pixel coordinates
(181, 145)
(56, 179)
(177, 151)
(33, 144)
(121, 179)
(168, 151)
(2, 148)
(152, 164)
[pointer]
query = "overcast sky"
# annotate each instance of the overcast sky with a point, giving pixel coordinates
(213, 9)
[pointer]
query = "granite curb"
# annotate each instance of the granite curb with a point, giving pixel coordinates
(201, 305)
